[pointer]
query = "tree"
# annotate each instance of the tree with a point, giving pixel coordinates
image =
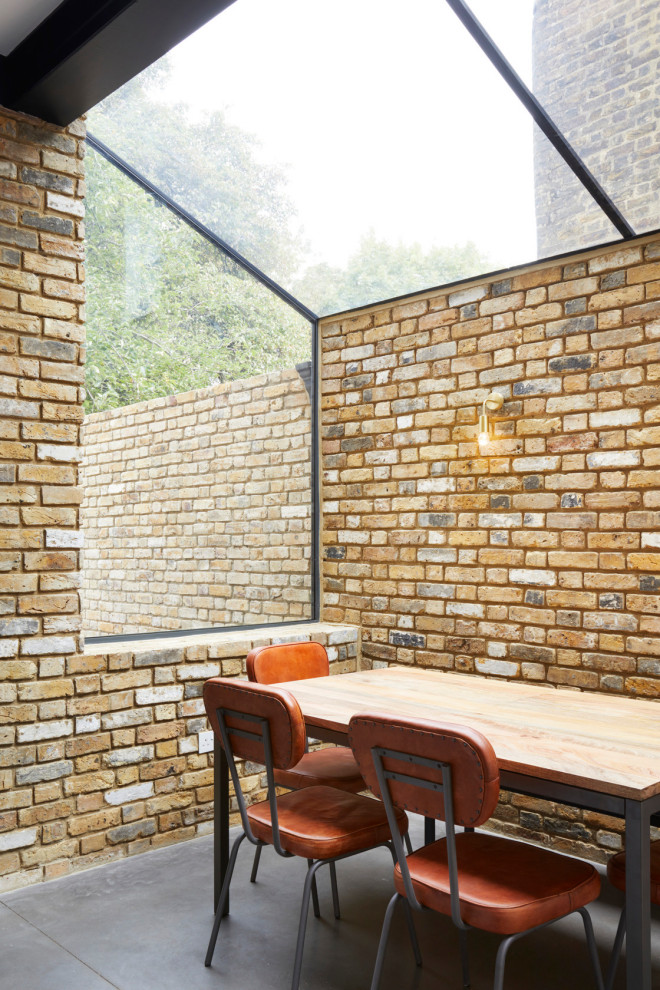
(380, 270)
(206, 165)
(167, 310)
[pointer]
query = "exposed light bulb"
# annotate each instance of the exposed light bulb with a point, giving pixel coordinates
(483, 439)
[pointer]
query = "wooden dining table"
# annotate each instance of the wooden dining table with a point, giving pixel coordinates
(593, 751)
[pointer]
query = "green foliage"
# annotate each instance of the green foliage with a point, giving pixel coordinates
(207, 166)
(167, 311)
(379, 270)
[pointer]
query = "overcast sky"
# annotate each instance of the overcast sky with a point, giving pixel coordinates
(385, 114)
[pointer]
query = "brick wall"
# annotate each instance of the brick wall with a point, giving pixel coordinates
(120, 773)
(41, 372)
(597, 72)
(538, 558)
(197, 509)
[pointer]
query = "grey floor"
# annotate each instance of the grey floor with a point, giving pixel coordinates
(143, 924)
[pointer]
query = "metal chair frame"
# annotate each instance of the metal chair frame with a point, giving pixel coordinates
(383, 775)
(616, 950)
(309, 890)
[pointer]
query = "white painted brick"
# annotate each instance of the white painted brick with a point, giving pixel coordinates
(128, 755)
(613, 458)
(651, 539)
(69, 539)
(18, 839)
(357, 353)
(465, 608)
(65, 204)
(44, 730)
(499, 520)
(614, 417)
(48, 644)
(433, 486)
(159, 695)
(88, 723)
(58, 452)
(472, 294)
(536, 463)
(197, 671)
(502, 668)
(134, 792)
(524, 575)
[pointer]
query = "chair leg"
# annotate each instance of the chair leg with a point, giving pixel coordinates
(591, 945)
(315, 892)
(335, 891)
(408, 843)
(255, 865)
(616, 951)
(465, 962)
(223, 898)
(310, 882)
(382, 945)
(505, 945)
(411, 931)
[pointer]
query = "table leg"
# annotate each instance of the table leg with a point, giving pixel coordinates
(220, 821)
(638, 896)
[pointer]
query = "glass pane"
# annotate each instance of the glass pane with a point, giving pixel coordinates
(594, 67)
(567, 217)
(197, 442)
(364, 156)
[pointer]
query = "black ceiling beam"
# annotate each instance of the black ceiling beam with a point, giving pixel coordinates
(86, 49)
(540, 115)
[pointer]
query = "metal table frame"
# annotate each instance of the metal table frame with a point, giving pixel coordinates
(638, 817)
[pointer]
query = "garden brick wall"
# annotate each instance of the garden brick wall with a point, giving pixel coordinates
(117, 770)
(197, 509)
(41, 374)
(538, 558)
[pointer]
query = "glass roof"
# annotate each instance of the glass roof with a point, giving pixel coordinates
(369, 150)
(594, 67)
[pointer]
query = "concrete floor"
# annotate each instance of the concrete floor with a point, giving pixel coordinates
(144, 923)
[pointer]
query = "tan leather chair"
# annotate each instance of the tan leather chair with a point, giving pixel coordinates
(332, 767)
(450, 772)
(264, 724)
(616, 874)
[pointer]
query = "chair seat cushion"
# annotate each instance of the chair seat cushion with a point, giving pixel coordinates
(505, 886)
(616, 871)
(334, 767)
(323, 822)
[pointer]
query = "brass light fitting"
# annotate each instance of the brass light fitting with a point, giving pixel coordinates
(492, 403)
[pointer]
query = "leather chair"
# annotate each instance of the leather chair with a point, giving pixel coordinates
(264, 724)
(616, 874)
(333, 767)
(480, 880)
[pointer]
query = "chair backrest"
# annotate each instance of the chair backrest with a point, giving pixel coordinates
(413, 756)
(256, 717)
(287, 662)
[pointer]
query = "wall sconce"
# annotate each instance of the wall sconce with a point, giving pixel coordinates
(492, 403)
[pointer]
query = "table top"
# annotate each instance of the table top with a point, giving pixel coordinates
(599, 742)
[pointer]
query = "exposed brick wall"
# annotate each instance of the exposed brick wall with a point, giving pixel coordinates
(538, 558)
(197, 509)
(597, 72)
(41, 373)
(123, 772)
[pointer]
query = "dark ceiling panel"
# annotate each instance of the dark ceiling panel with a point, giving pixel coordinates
(85, 50)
